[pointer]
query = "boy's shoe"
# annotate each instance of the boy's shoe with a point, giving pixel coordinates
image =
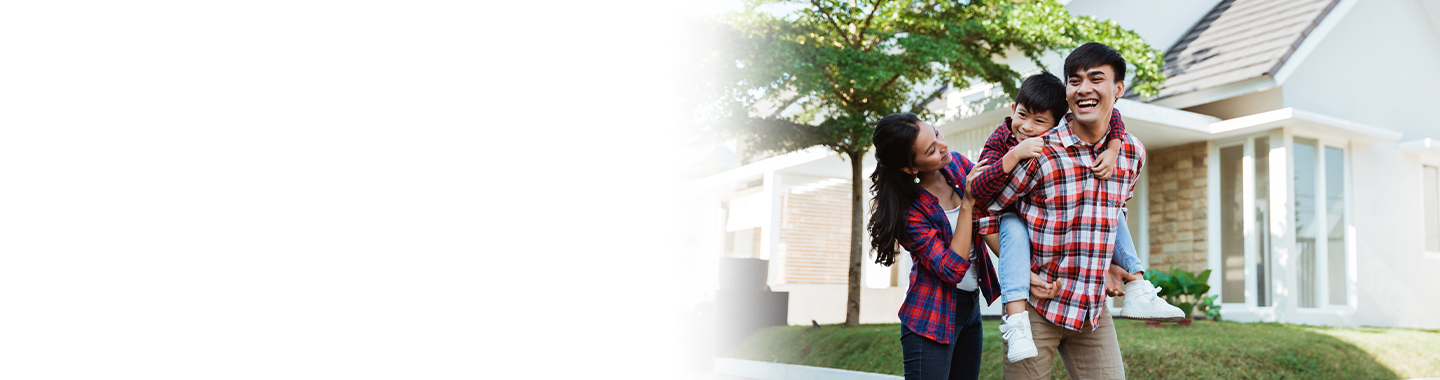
(1142, 303)
(1015, 328)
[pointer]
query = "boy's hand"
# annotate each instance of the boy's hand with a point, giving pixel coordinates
(1041, 289)
(1106, 165)
(1030, 148)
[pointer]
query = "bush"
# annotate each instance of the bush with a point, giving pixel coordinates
(1183, 289)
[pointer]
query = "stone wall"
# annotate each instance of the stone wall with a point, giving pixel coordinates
(1177, 178)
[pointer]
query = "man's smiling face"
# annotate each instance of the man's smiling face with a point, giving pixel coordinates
(1091, 93)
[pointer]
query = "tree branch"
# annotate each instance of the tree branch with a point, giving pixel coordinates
(860, 37)
(915, 109)
(783, 107)
(838, 29)
(843, 98)
(891, 81)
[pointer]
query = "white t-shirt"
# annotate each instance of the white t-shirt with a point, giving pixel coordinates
(969, 283)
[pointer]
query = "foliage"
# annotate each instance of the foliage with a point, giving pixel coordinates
(824, 73)
(1180, 287)
(1210, 308)
(1211, 350)
(848, 63)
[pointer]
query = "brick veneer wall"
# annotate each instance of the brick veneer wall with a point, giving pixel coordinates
(1177, 178)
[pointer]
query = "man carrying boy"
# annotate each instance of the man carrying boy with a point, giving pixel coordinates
(1072, 217)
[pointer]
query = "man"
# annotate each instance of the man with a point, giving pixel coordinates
(1071, 216)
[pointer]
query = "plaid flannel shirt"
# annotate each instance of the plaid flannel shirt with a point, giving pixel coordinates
(995, 177)
(1072, 219)
(929, 308)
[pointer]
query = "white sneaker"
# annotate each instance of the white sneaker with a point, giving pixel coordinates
(1142, 303)
(1015, 328)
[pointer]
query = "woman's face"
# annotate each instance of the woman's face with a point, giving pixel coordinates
(931, 151)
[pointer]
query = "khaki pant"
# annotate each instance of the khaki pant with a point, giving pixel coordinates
(1087, 354)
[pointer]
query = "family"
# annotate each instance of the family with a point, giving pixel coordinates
(1048, 195)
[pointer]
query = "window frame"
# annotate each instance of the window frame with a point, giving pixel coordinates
(1434, 162)
(1283, 263)
(1322, 270)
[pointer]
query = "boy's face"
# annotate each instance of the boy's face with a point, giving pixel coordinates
(1025, 124)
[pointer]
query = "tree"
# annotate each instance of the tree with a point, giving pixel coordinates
(839, 66)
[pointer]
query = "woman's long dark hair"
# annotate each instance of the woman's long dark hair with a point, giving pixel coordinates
(895, 191)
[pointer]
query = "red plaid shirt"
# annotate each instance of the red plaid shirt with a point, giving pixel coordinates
(1001, 142)
(929, 308)
(1071, 217)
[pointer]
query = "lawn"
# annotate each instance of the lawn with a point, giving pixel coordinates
(1206, 350)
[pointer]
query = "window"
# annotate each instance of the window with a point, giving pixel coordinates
(1232, 224)
(1244, 233)
(1320, 229)
(1263, 279)
(1306, 221)
(1431, 178)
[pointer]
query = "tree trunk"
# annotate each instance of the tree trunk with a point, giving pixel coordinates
(857, 236)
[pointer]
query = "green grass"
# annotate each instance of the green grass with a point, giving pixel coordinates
(1206, 350)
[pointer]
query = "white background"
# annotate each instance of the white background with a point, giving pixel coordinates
(340, 189)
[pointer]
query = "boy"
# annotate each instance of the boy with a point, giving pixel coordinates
(1040, 106)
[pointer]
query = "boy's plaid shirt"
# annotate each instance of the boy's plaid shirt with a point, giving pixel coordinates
(1071, 218)
(929, 308)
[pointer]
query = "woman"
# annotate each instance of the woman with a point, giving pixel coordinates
(919, 205)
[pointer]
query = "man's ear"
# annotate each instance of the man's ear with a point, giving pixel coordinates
(1119, 89)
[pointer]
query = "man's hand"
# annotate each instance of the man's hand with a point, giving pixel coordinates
(1039, 289)
(1115, 280)
(1105, 167)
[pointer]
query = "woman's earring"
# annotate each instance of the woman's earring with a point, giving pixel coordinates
(917, 179)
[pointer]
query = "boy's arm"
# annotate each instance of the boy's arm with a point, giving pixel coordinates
(1021, 181)
(1115, 139)
(1002, 161)
(1105, 166)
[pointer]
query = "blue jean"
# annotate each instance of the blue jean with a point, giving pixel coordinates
(926, 359)
(1015, 256)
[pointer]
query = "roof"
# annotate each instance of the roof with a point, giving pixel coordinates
(1240, 40)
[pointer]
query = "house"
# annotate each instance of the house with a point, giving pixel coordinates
(1291, 152)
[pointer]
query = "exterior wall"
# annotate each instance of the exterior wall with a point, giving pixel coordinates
(826, 304)
(1394, 275)
(1177, 192)
(1375, 68)
(1244, 105)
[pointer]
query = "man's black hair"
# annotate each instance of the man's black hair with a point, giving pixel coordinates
(1043, 92)
(1092, 55)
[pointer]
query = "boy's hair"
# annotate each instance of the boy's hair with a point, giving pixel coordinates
(1095, 54)
(1043, 92)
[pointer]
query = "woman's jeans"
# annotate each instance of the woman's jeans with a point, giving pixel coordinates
(1015, 256)
(927, 359)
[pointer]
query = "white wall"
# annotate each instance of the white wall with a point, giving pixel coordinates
(1377, 67)
(826, 304)
(1395, 280)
